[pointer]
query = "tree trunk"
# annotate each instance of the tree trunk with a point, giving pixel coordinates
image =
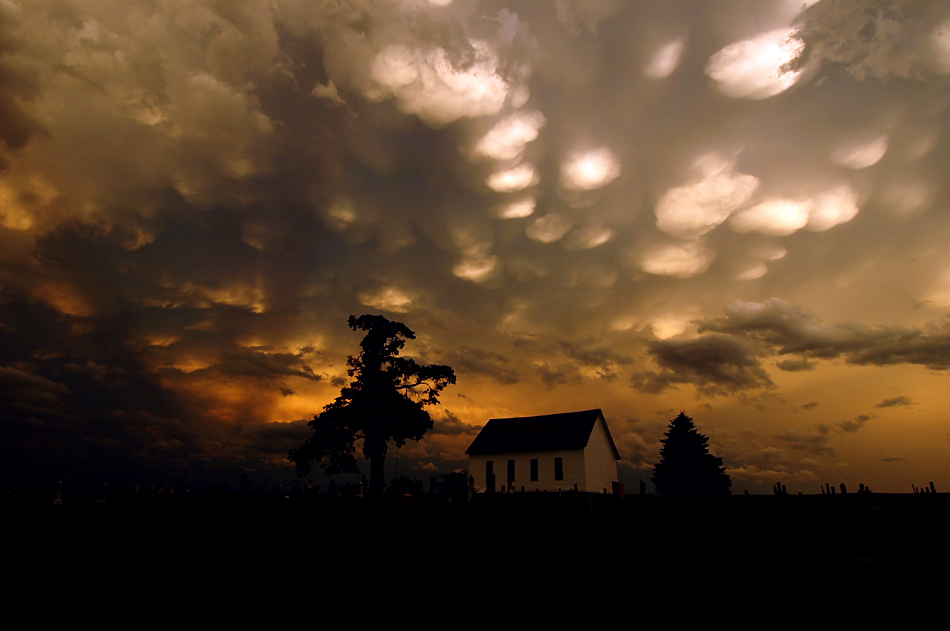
(374, 449)
(376, 471)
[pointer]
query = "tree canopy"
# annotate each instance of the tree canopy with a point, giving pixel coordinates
(686, 467)
(384, 401)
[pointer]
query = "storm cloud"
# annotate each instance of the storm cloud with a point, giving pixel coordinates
(715, 364)
(574, 204)
(785, 329)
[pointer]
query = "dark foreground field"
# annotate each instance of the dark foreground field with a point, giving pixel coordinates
(842, 555)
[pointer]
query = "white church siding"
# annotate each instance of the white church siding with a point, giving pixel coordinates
(601, 465)
(572, 463)
(580, 439)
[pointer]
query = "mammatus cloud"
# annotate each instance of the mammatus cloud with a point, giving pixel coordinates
(549, 228)
(387, 299)
(589, 170)
(692, 210)
(509, 137)
(517, 209)
(513, 179)
(941, 45)
(427, 82)
(681, 260)
(861, 154)
(778, 218)
(757, 68)
(665, 59)
(781, 217)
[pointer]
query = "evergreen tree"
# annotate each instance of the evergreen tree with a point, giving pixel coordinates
(686, 467)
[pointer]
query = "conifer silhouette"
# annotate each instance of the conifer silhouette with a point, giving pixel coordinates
(686, 467)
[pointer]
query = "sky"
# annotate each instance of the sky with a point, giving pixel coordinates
(739, 209)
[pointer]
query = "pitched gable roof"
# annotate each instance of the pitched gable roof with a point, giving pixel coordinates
(551, 432)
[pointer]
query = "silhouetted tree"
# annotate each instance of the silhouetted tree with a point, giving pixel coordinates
(686, 467)
(384, 402)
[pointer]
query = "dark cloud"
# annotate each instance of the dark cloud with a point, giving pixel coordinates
(28, 391)
(268, 443)
(558, 375)
(853, 425)
(870, 38)
(603, 360)
(594, 357)
(810, 405)
(715, 364)
(815, 441)
(481, 362)
(452, 425)
(901, 401)
(893, 459)
(786, 329)
(263, 365)
(795, 365)
(16, 87)
(91, 395)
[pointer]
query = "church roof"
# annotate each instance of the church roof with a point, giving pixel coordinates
(550, 432)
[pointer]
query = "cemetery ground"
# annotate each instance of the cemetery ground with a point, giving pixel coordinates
(776, 553)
